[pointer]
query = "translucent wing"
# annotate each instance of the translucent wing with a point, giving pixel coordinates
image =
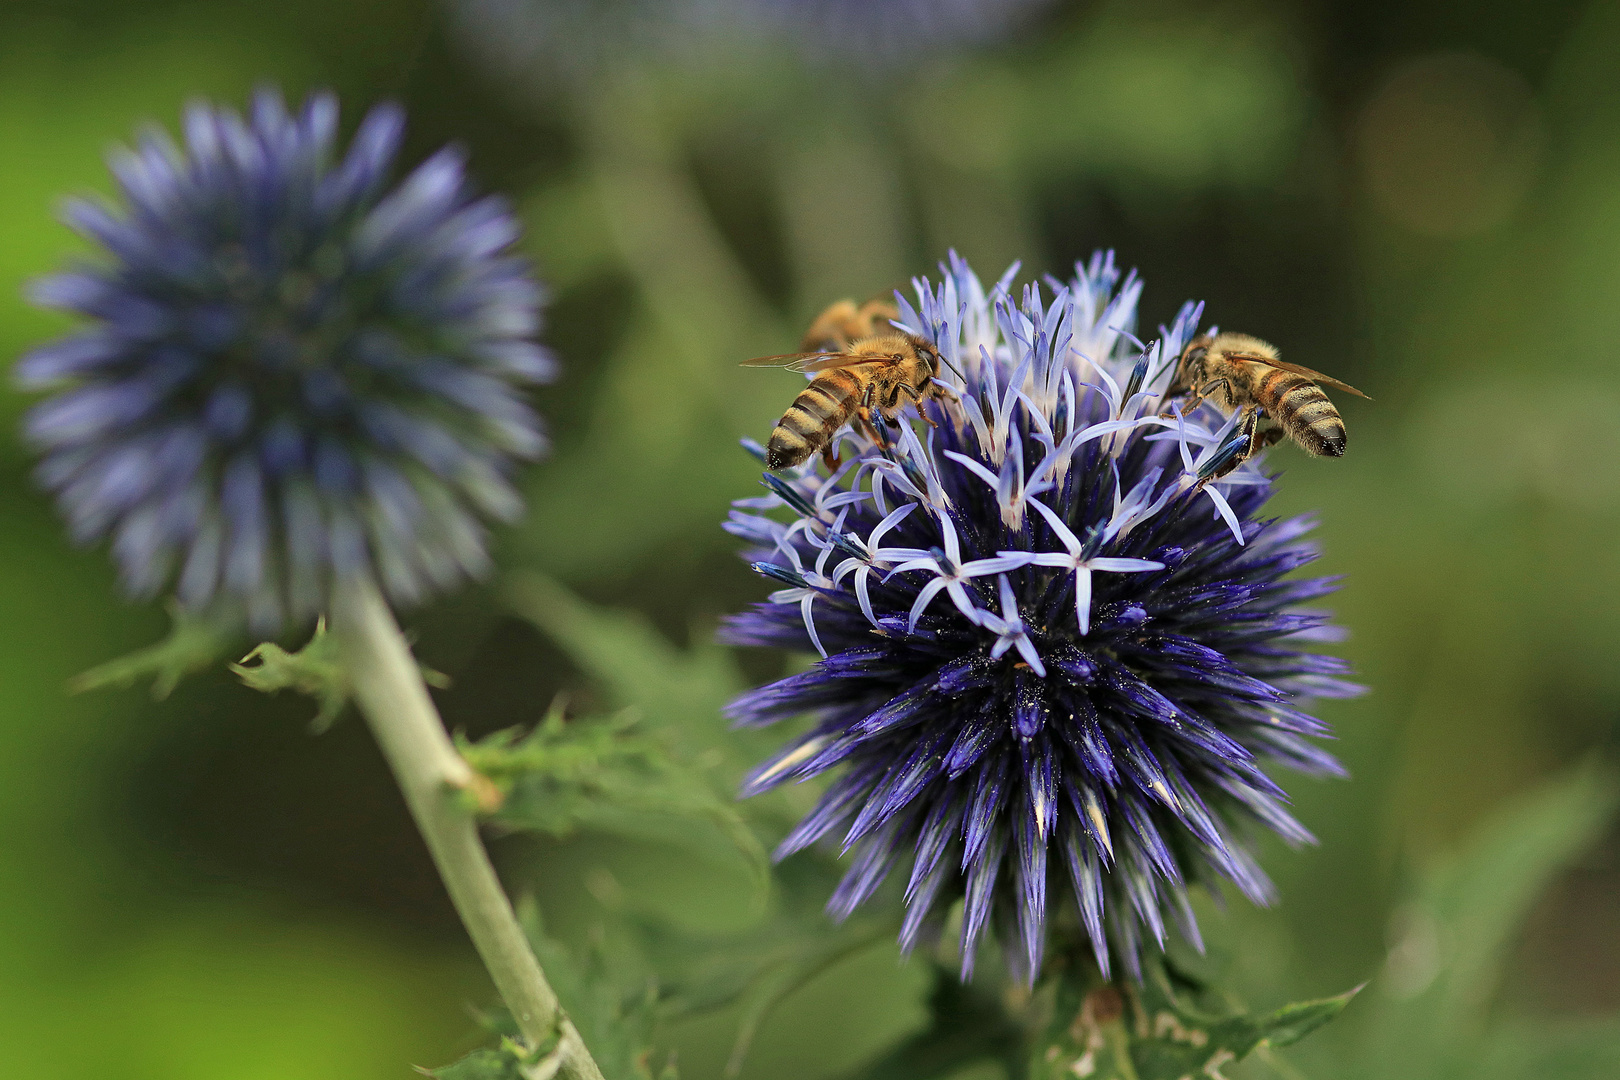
(1300, 369)
(812, 361)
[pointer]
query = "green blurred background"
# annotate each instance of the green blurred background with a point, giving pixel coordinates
(1422, 198)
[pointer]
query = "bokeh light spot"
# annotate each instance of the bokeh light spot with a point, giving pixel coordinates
(1449, 144)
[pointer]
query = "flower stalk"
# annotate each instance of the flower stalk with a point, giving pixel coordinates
(389, 689)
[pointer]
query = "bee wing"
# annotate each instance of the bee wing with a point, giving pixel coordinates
(809, 362)
(1300, 369)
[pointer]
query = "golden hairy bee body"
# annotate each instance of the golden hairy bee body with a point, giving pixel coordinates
(861, 365)
(1239, 373)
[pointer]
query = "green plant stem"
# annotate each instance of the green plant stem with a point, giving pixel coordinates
(389, 690)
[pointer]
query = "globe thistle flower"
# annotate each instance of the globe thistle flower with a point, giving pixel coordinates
(1057, 641)
(292, 372)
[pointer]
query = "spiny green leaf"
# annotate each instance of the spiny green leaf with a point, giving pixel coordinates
(194, 642)
(314, 670)
(605, 775)
(1086, 1034)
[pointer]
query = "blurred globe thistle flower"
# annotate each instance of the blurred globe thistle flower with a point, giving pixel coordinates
(534, 41)
(859, 28)
(1056, 640)
(293, 372)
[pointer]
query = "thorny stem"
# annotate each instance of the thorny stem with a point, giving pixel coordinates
(389, 689)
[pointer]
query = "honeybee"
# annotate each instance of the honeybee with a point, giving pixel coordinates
(861, 364)
(1239, 372)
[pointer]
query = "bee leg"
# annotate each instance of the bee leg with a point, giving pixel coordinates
(1187, 406)
(1254, 441)
(1196, 398)
(830, 457)
(875, 432)
(917, 400)
(1258, 440)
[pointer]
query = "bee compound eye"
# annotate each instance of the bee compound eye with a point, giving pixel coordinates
(1195, 355)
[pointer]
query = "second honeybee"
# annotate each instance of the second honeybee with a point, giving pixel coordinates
(861, 364)
(1239, 372)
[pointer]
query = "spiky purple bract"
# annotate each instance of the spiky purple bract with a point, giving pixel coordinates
(1053, 661)
(292, 372)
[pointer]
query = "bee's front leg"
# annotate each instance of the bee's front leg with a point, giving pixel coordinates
(917, 400)
(1196, 398)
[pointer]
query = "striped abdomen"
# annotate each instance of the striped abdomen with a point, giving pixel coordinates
(1303, 411)
(820, 409)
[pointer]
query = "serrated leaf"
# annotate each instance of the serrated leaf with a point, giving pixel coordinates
(1158, 1029)
(193, 643)
(479, 1065)
(1292, 1023)
(606, 775)
(313, 670)
(509, 1061)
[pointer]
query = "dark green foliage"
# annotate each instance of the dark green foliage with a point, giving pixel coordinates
(681, 691)
(1434, 1014)
(760, 967)
(966, 1026)
(612, 1004)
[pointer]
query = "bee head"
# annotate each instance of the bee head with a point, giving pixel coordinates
(1191, 364)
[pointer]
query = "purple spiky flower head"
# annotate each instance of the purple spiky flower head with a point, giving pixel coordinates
(1058, 644)
(292, 371)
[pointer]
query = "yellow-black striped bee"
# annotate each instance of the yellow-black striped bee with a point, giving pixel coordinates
(861, 364)
(1239, 372)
